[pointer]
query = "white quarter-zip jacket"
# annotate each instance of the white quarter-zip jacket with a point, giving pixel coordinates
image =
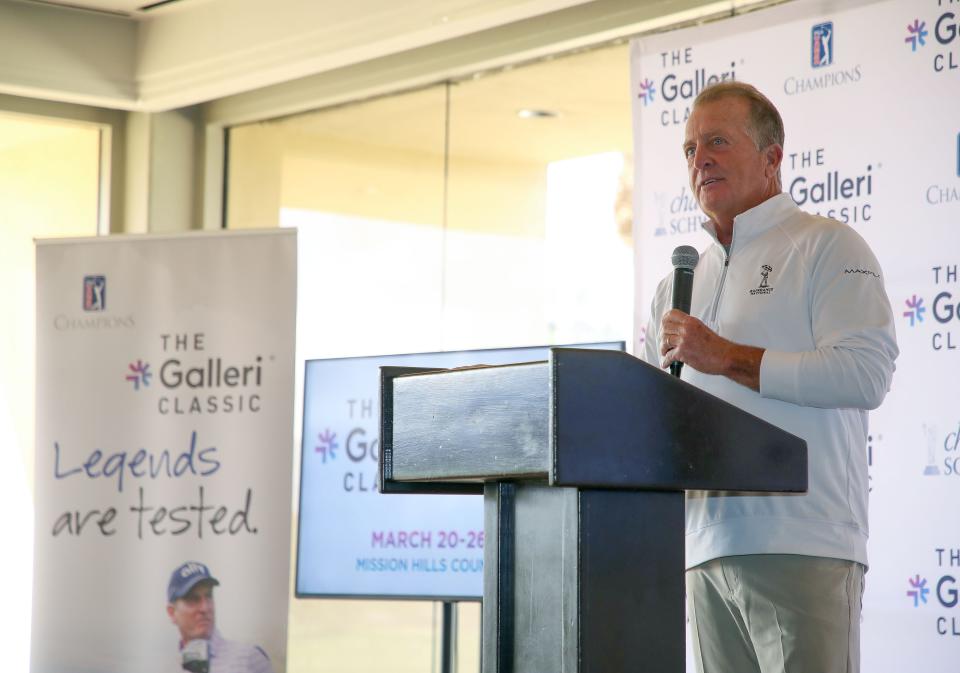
(810, 292)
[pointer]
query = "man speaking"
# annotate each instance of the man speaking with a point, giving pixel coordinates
(789, 320)
(191, 608)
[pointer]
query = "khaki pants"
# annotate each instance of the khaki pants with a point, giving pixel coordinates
(775, 613)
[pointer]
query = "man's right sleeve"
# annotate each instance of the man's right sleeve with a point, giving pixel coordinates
(651, 338)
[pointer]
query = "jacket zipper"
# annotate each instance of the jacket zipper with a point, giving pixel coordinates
(723, 277)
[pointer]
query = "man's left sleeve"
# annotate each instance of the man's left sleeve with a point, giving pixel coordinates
(258, 661)
(852, 323)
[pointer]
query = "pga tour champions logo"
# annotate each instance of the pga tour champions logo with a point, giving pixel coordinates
(823, 56)
(821, 45)
(945, 193)
(94, 306)
(94, 293)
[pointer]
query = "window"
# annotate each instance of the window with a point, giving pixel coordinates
(49, 186)
(488, 212)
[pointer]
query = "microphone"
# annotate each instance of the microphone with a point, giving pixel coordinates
(196, 656)
(684, 258)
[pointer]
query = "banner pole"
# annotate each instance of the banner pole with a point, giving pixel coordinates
(448, 642)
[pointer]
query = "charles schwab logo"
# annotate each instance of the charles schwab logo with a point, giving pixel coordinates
(842, 195)
(943, 193)
(945, 52)
(681, 83)
(942, 451)
(822, 55)
(764, 286)
(195, 381)
(677, 213)
(941, 305)
(938, 591)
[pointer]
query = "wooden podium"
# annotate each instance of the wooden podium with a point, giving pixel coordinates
(582, 461)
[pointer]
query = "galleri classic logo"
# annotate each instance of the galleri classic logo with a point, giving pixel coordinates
(647, 92)
(918, 590)
(944, 49)
(938, 590)
(683, 78)
(353, 459)
(916, 34)
(942, 305)
(843, 193)
(139, 374)
(327, 445)
(191, 376)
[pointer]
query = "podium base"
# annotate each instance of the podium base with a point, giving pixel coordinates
(617, 559)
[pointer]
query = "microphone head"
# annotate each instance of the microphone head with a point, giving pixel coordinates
(685, 257)
(196, 656)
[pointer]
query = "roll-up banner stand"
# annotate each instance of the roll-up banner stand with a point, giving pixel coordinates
(164, 432)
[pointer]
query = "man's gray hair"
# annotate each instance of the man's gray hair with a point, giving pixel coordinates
(765, 127)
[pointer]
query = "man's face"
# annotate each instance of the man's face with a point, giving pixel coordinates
(728, 174)
(194, 613)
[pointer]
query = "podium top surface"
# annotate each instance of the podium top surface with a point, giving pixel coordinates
(601, 419)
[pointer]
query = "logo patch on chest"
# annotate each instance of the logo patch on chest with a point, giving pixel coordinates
(764, 286)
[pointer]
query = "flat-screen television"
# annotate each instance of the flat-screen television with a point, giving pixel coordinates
(355, 542)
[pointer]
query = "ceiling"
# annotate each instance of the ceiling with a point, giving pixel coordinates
(138, 55)
(131, 54)
(131, 8)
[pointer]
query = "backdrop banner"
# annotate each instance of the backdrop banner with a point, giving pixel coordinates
(869, 93)
(164, 443)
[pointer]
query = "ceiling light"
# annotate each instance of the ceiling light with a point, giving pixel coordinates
(530, 113)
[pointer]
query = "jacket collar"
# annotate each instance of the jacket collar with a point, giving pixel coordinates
(751, 223)
(214, 643)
